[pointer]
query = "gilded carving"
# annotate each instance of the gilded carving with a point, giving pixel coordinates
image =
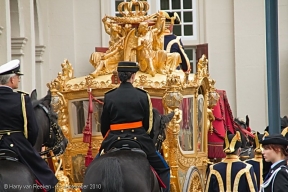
(196, 183)
(202, 67)
(133, 36)
(62, 78)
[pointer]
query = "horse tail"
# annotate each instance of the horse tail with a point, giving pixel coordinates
(2, 188)
(112, 175)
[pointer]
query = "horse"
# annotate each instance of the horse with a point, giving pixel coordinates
(246, 137)
(106, 173)
(11, 168)
(50, 135)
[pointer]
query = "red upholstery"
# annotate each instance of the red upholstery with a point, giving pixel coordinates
(223, 122)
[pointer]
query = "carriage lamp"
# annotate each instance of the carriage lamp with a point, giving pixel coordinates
(172, 99)
(213, 98)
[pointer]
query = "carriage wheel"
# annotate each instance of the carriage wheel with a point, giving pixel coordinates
(193, 181)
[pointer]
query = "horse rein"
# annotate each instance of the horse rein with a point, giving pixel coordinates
(52, 126)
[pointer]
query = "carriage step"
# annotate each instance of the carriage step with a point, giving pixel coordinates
(7, 154)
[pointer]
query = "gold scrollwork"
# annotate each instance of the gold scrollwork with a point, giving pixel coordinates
(195, 184)
(63, 77)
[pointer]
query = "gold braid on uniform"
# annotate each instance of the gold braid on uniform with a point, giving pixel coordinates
(24, 115)
(258, 148)
(150, 114)
(265, 134)
(218, 177)
(245, 171)
(284, 131)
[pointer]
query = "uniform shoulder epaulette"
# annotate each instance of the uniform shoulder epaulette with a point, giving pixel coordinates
(142, 89)
(111, 90)
(22, 92)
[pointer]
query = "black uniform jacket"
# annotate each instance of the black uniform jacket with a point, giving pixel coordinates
(231, 175)
(173, 44)
(127, 104)
(258, 169)
(280, 183)
(11, 118)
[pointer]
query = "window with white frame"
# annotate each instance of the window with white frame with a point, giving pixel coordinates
(187, 13)
(191, 54)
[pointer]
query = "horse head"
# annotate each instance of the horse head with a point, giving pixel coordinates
(243, 127)
(50, 134)
(159, 125)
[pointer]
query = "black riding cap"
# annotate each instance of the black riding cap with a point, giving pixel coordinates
(127, 66)
(277, 139)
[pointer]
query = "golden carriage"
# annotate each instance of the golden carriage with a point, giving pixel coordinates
(190, 96)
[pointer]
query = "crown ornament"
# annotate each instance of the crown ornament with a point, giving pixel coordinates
(133, 8)
(133, 12)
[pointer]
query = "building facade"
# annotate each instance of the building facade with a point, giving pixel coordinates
(42, 33)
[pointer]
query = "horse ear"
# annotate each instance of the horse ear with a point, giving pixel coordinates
(247, 121)
(47, 98)
(167, 118)
(33, 95)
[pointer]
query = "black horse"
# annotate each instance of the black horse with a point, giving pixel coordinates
(50, 135)
(247, 140)
(127, 170)
(15, 175)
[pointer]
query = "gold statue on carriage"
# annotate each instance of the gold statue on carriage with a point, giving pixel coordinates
(138, 37)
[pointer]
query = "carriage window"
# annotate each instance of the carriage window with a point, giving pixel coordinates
(186, 125)
(186, 9)
(200, 135)
(80, 113)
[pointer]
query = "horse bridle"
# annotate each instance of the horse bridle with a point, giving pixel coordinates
(161, 135)
(53, 126)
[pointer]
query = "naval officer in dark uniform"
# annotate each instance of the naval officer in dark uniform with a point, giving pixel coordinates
(127, 113)
(275, 151)
(14, 135)
(231, 174)
(172, 43)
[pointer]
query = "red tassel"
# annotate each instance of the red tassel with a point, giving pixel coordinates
(88, 157)
(87, 132)
(249, 129)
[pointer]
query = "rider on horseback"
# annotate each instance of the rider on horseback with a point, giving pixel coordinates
(127, 113)
(18, 126)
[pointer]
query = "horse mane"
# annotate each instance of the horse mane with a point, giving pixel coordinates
(36, 103)
(240, 122)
